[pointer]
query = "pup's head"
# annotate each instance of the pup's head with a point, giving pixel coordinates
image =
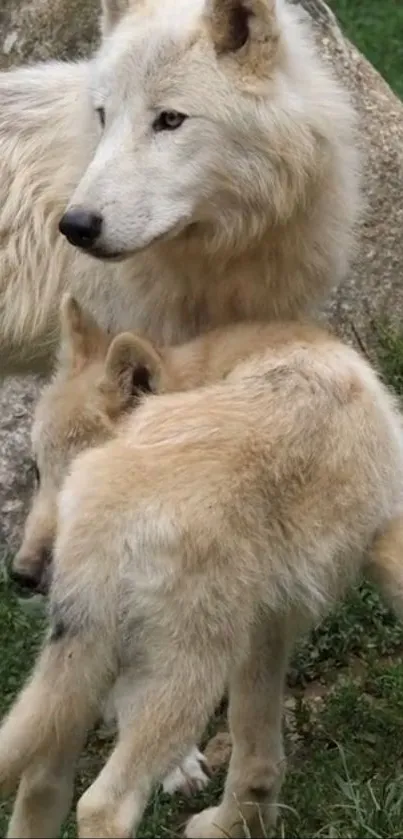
(177, 93)
(98, 380)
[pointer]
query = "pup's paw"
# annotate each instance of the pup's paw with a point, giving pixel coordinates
(204, 826)
(190, 777)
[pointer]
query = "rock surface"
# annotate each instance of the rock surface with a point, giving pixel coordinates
(374, 286)
(36, 30)
(33, 30)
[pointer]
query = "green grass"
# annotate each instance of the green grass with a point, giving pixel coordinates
(376, 27)
(346, 777)
(361, 627)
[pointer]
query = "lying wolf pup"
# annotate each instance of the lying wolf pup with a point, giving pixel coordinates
(195, 540)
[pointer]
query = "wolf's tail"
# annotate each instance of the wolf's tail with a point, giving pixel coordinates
(386, 563)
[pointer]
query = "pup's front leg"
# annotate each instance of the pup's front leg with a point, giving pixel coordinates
(44, 796)
(45, 729)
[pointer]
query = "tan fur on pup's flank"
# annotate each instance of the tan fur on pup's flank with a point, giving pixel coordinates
(192, 548)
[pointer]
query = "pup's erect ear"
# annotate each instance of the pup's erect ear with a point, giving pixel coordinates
(112, 12)
(82, 339)
(246, 28)
(133, 365)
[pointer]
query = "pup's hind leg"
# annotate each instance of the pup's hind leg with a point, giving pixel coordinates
(257, 762)
(168, 714)
(44, 797)
(385, 565)
(47, 725)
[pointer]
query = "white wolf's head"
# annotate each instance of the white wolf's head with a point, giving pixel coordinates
(201, 120)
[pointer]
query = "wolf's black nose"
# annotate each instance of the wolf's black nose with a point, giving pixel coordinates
(80, 227)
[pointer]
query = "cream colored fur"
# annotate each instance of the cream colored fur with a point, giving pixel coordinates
(245, 212)
(192, 548)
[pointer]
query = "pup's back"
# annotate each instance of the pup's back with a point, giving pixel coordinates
(288, 441)
(213, 356)
(282, 417)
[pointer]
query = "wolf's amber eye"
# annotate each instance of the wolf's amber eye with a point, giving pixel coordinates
(168, 121)
(101, 116)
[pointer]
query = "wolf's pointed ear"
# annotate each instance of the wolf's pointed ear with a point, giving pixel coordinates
(133, 366)
(112, 12)
(247, 28)
(82, 339)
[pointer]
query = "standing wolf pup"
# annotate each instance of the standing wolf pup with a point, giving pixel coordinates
(206, 147)
(190, 551)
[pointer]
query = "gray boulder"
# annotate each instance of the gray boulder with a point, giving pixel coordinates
(373, 288)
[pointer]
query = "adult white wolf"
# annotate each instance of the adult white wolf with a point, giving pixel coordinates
(205, 147)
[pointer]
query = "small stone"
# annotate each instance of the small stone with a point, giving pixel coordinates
(9, 42)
